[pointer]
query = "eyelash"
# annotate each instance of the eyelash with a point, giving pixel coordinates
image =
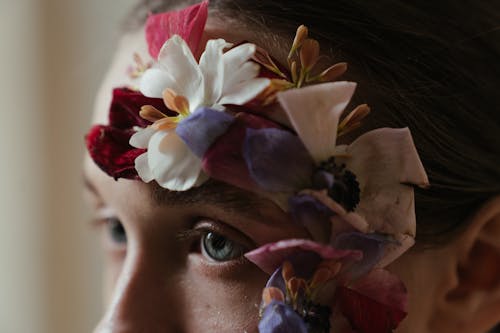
(206, 230)
(114, 235)
(203, 232)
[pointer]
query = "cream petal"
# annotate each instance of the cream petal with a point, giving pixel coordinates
(142, 167)
(171, 162)
(212, 68)
(244, 92)
(141, 138)
(385, 161)
(247, 71)
(154, 81)
(176, 59)
(314, 112)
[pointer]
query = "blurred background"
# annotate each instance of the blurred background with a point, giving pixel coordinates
(53, 55)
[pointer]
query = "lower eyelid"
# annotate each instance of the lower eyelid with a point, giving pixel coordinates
(218, 270)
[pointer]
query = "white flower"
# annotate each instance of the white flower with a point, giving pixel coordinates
(220, 78)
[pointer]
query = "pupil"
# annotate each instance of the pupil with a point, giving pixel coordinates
(218, 242)
(117, 231)
(218, 247)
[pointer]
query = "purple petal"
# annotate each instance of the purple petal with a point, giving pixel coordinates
(224, 160)
(271, 256)
(323, 180)
(281, 318)
(277, 159)
(312, 214)
(202, 128)
(372, 246)
(276, 280)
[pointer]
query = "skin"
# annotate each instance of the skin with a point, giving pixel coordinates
(160, 281)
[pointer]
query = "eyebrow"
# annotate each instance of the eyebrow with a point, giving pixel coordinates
(215, 193)
(224, 196)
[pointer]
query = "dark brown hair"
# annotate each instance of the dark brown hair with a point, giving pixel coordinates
(433, 66)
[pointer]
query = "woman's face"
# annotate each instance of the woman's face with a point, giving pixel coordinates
(174, 260)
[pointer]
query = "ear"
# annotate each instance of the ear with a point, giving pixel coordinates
(471, 303)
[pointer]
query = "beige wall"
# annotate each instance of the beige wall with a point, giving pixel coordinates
(53, 55)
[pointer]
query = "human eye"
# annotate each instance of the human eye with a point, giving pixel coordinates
(220, 248)
(115, 231)
(112, 232)
(217, 242)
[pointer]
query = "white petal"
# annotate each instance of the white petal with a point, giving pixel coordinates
(142, 167)
(154, 81)
(212, 68)
(176, 59)
(244, 92)
(173, 165)
(141, 138)
(246, 72)
(314, 112)
(236, 57)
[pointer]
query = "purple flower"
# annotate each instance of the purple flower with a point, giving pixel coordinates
(279, 317)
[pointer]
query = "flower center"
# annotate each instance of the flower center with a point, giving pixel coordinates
(341, 184)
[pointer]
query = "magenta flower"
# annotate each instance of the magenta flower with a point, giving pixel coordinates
(316, 282)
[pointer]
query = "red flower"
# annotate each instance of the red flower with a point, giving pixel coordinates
(108, 145)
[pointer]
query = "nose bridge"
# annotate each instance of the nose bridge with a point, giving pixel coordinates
(145, 299)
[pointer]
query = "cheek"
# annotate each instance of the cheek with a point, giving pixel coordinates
(112, 269)
(223, 301)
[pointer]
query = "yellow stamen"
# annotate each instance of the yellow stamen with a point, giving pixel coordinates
(168, 98)
(295, 285)
(320, 276)
(182, 105)
(176, 102)
(334, 72)
(271, 293)
(300, 36)
(293, 70)
(309, 54)
(331, 265)
(287, 271)
(353, 119)
(151, 113)
(167, 123)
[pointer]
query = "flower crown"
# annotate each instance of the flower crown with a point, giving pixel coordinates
(237, 116)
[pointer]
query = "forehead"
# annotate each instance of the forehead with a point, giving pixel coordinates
(130, 43)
